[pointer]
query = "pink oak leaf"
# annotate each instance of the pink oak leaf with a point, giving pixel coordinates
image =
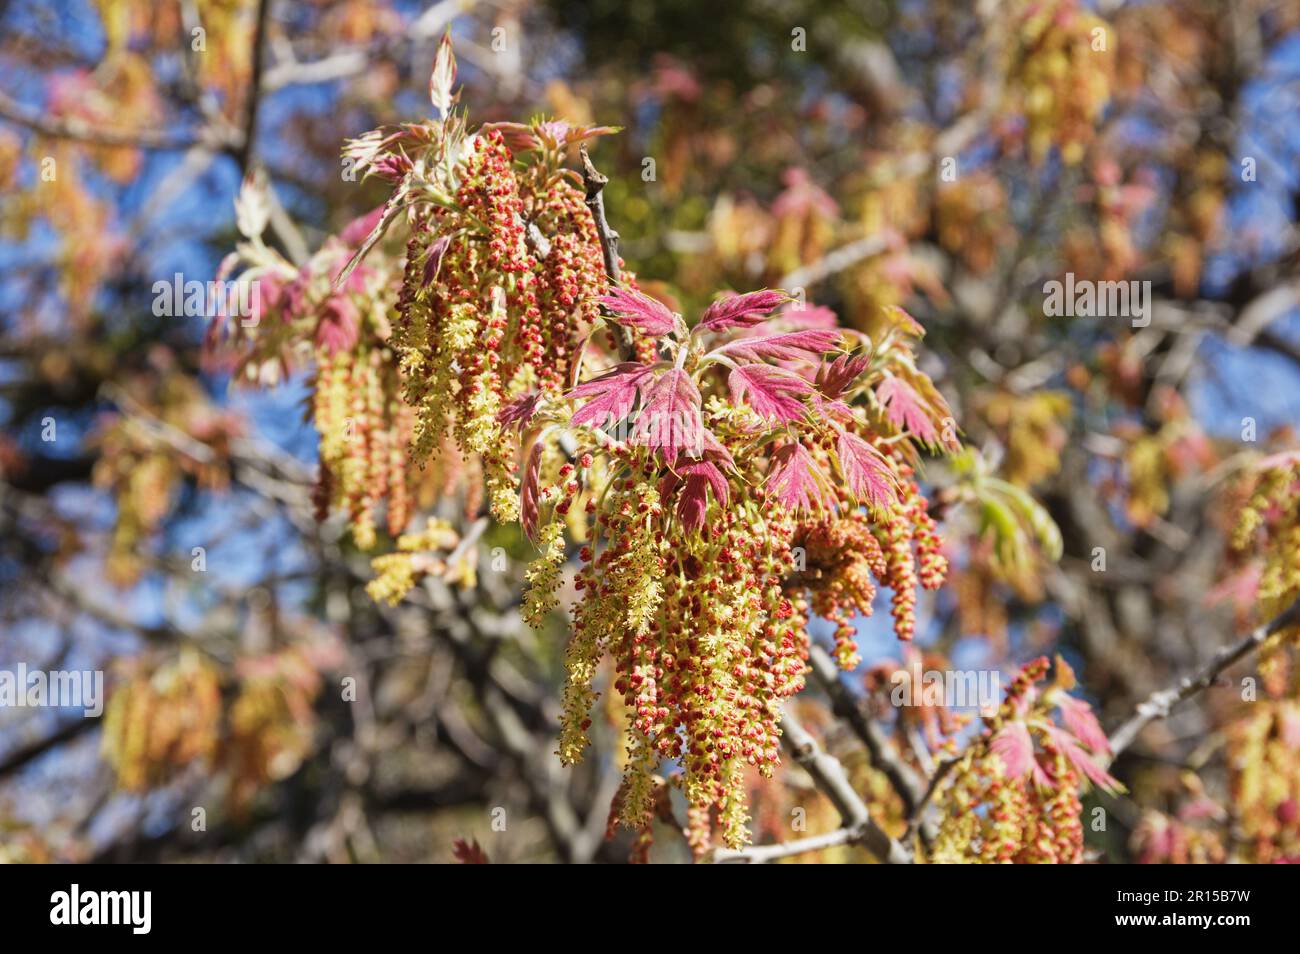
(433, 264)
(670, 418)
(1079, 719)
(1084, 762)
(713, 448)
(902, 320)
(520, 411)
(692, 502)
(554, 134)
(832, 409)
(791, 346)
(530, 492)
(736, 310)
(773, 393)
(442, 78)
(1015, 748)
(865, 470)
(631, 308)
(841, 372)
(795, 479)
(612, 394)
(905, 408)
(338, 328)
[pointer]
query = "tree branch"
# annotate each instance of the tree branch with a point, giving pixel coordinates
(905, 780)
(594, 183)
(255, 85)
(762, 854)
(831, 779)
(1159, 704)
(79, 130)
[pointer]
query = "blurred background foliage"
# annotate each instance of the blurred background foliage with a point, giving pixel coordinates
(947, 157)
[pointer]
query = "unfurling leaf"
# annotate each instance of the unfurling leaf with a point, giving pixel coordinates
(792, 346)
(1015, 748)
(613, 394)
(773, 393)
(253, 205)
(670, 419)
(865, 471)
(1082, 723)
(796, 480)
(1082, 761)
(520, 411)
(647, 315)
(905, 408)
(692, 503)
(736, 310)
(338, 327)
(530, 492)
(842, 372)
(443, 78)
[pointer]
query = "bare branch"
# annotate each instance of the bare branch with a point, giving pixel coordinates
(79, 130)
(831, 779)
(762, 854)
(255, 89)
(1159, 704)
(594, 183)
(906, 781)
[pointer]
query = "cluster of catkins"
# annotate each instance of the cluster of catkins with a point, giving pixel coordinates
(1263, 743)
(736, 476)
(164, 719)
(499, 289)
(1013, 795)
(300, 318)
(1059, 72)
(1268, 529)
(143, 467)
(738, 482)
(1264, 776)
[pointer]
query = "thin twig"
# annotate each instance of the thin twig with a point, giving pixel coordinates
(905, 780)
(1159, 704)
(80, 130)
(831, 779)
(834, 261)
(918, 813)
(762, 854)
(594, 183)
(255, 85)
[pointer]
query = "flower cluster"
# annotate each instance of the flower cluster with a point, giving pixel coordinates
(157, 723)
(751, 474)
(301, 319)
(486, 312)
(437, 550)
(1264, 777)
(728, 479)
(162, 721)
(493, 295)
(172, 432)
(1268, 529)
(1060, 72)
(1009, 801)
(272, 720)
